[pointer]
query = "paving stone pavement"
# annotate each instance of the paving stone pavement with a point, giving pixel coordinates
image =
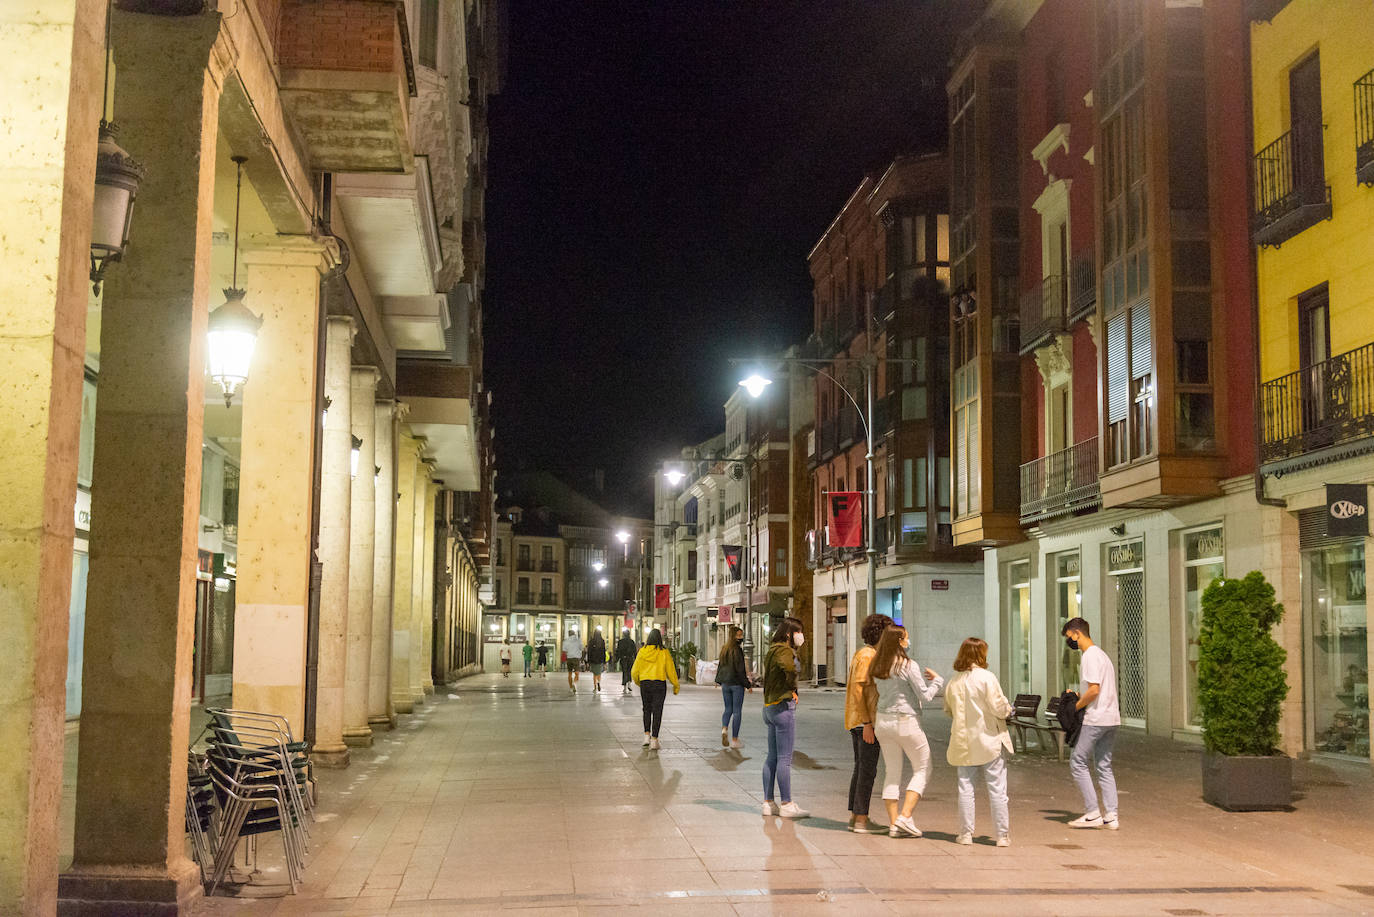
(505, 795)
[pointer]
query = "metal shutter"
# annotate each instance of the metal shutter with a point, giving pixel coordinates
(1118, 381)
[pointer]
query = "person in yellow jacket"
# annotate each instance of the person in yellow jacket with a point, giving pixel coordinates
(652, 671)
(978, 712)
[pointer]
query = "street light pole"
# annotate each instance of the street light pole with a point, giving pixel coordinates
(870, 371)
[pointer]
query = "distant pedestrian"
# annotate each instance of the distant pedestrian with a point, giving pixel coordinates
(625, 651)
(1101, 717)
(505, 659)
(596, 658)
(527, 651)
(978, 712)
(858, 720)
(572, 658)
(779, 715)
(542, 661)
(901, 686)
(653, 669)
(734, 678)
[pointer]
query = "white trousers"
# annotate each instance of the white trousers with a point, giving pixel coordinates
(900, 735)
(995, 776)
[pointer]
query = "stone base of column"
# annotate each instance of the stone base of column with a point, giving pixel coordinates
(428, 686)
(138, 891)
(417, 695)
(358, 736)
(330, 757)
(403, 704)
(381, 722)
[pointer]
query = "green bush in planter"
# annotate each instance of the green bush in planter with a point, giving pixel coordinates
(1241, 682)
(680, 656)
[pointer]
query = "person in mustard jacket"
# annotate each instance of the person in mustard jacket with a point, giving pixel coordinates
(978, 712)
(652, 671)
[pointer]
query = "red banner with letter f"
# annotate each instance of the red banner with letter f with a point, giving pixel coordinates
(661, 595)
(846, 519)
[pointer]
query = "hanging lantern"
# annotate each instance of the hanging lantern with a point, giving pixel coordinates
(353, 457)
(117, 178)
(232, 331)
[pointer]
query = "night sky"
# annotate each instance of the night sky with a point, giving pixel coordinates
(659, 171)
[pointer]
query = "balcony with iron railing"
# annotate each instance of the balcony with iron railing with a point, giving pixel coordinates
(548, 566)
(1060, 483)
(1082, 284)
(1043, 313)
(1321, 412)
(1364, 129)
(548, 598)
(524, 598)
(525, 564)
(1290, 189)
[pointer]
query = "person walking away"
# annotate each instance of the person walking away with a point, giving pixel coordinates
(572, 657)
(505, 658)
(543, 661)
(1101, 717)
(527, 652)
(858, 721)
(978, 712)
(625, 651)
(735, 679)
(596, 658)
(653, 669)
(779, 715)
(901, 686)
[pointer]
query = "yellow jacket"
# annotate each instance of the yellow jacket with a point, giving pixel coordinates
(654, 663)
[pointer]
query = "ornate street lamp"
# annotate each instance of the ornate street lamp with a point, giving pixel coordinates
(353, 456)
(117, 177)
(232, 332)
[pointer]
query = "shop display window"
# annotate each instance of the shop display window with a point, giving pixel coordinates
(1202, 562)
(1339, 662)
(1067, 586)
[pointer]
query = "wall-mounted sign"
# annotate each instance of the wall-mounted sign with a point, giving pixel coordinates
(83, 511)
(939, 585)
(1126, 555)
(725, 615)
(846, 519)
(1347, 510)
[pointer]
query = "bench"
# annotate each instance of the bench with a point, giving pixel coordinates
(1025, 718)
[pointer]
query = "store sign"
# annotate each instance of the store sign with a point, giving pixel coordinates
(1204, 545)
(83, 510)
(1347, 510)
(1126, 555)
(725, 615)
(662, 595)
(939, 585)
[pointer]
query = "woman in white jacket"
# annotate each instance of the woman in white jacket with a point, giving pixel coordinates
(978, 713)
(894, 691)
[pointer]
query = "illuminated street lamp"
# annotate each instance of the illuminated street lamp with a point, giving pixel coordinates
(755, 384)
(674, 477)
(622, 536)
(603, 582)
(232, 331)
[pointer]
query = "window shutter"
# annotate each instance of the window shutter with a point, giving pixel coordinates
(1141, 353)
(1118, 388)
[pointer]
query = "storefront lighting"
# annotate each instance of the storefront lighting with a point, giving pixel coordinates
(353, 456)
(603, 582)
(598, 566)
(232, 332)
(623, 536)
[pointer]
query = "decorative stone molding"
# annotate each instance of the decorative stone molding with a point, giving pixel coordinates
(1057, 138)
(1054, 358)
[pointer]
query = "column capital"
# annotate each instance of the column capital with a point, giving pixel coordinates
(320, 252)
(402, 410)
(366, 375)
(339, 324)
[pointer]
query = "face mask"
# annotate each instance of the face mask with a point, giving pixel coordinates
(799, 639)
(1073, 644)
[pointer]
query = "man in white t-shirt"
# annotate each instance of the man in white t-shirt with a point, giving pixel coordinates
(572, 655)
(1101, 717)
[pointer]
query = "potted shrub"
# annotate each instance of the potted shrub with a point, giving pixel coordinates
(1241, 686)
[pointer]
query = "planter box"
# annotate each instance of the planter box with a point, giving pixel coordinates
(1247, 783)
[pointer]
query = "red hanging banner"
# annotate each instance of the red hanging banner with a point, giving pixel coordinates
(846, 519)
(661, 595)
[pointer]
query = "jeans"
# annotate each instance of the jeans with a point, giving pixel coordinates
(865, 772)
(995, 776)
(780, 718)
(527, 668)
(625, 666)
(734, 708)
(652, 694)
(1095, 742)
(900, 734)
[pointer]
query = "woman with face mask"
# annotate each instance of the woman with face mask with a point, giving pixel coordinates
(901, 686)
(780, 669)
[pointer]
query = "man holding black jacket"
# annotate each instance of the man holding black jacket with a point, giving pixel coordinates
(1101, 717)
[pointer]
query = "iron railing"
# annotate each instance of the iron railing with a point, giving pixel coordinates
(1043, 312)
(1290, 194)
(1060, 483)
(548, 598)
(525, 564)
(1364, 129)
(1330, 403)
(548, 566)
(1082, 283)
(524, 598)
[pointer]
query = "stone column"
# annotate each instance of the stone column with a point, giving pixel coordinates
(130, 853)
(49, 148)
(336, 497)
(277, 478)
(379, 712)
(402, 698)
(419, 612)
(428, 635)
(361, 558)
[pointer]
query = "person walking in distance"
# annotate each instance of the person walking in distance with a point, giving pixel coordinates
(527, 652)
(734, 678)
(1101, 717)
(572, 657)
(978, 712)
(858, 720)
(542, 652)
(625, 651)
(653, 670)
(779, 715)
(505, 658)
(901, 686)
(596, 658)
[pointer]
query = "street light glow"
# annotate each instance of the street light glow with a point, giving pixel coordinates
(603, 582)
(623, 536)
(598, 566)
(755, 384)
(674, 477)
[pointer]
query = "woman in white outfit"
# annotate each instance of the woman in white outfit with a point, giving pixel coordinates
(896, 687)
(978, 712)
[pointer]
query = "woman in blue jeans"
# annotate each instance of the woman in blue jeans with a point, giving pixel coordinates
(734, 678)
(779, 714)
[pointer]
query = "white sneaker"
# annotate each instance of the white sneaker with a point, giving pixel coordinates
(965, 839)
(1111, 822)
(647, 739)
(736, 743)
(792, 810)
(1004, 841)
(1089, 820)
(903, 827)
(770, 808)
(653, 743)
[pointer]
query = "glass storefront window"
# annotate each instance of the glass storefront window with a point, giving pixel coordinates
(1019, 626)
(1067, 582)
(1339, 661)
(1202, 563)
